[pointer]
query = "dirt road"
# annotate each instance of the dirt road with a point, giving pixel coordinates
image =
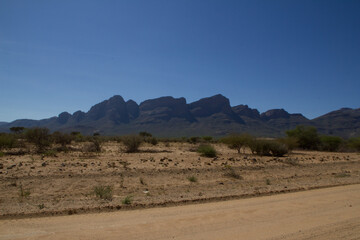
(332, 213)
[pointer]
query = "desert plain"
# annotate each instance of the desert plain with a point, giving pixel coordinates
(167, 174)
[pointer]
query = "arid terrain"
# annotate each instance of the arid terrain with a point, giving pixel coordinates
(321, 214)
(163, 175)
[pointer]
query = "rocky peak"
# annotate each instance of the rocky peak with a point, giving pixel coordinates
(244, 110)
(274, 114)
(166, 108)
(133, 109)
(210, 105)
(78, 116)
(63, 117)
(113, 109)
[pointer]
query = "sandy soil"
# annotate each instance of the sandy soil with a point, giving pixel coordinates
(331, 213)
(36, 185)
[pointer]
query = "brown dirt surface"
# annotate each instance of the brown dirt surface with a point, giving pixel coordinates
(64, 183)
(330, 213)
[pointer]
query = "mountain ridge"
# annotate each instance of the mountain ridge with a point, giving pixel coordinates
(174, 117)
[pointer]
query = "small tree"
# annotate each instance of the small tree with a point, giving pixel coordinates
(17, 130)
(38, 136)
(145, 134)
(236, 141)
(307, 137)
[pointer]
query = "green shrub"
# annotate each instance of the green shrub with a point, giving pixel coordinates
(206, 151)
(38, 136)
(78, 137)
(132, 143)
(354, 143)
(236, 141)
(192, 179)
(7, 141)
(103, 192)
(127, 200)
(23, 193)
(307, 137)
(330, 143)
(50, 153)
(207, 138)
(194, 140)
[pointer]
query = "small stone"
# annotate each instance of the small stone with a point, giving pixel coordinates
(12, 166)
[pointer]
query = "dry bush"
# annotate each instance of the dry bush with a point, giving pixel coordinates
(132, 143)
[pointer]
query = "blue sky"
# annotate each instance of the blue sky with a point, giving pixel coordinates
(55, 56)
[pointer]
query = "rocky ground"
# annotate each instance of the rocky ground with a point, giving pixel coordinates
(166, 174)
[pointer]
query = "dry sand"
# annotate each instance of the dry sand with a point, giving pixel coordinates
(331, 213)
(158, 176)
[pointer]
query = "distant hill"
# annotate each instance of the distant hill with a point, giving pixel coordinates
(2, 123)
(174, 117)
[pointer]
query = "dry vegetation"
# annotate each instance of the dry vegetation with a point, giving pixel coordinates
(87, 178)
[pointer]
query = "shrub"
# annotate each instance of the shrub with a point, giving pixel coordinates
(132, 143)
(153, 141)
(278, 149)
(23, 193)
(93, 146)
(236, 141)
(207, 138)
(192, 179)
(78, 137)
(127, 200)
(206, 151)
(290, 142)
(7, 141)
(260, 147)
(145, 134)
(268, 148)
(194, 140)
(230, 172)
(354, 143)
(307, 137)
(330, 143)
(103, 192)
(38, 136)
(62, 138)
(50, 153)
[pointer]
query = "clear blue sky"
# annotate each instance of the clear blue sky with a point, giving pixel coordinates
(55, 56)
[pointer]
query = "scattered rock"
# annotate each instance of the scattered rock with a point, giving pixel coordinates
(11, 166)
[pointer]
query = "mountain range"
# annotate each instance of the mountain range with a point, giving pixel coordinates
(174, 117)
